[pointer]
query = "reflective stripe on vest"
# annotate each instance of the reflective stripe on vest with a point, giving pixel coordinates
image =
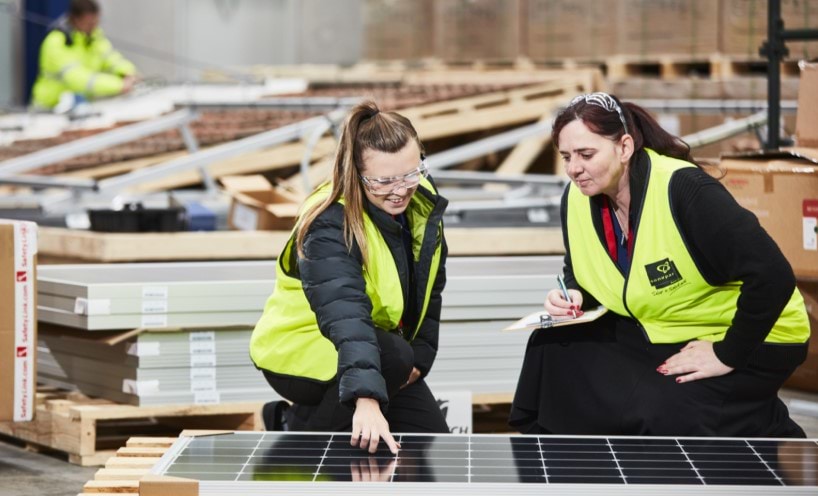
(664, 290)
(62, 72)
(287, 340)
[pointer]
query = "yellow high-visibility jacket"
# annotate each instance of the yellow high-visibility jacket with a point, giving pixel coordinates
(83, 64)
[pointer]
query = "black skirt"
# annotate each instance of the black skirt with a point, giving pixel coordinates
(600, 378)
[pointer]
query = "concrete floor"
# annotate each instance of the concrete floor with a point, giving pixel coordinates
(23, 473)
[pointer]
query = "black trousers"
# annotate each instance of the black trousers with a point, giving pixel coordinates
(316, 406)
(600, 378)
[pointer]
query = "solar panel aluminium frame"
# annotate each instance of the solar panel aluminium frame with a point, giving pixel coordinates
(252, 488)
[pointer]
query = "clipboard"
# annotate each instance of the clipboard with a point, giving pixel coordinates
(544, 320)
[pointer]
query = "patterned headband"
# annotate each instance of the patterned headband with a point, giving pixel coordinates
(603, 100)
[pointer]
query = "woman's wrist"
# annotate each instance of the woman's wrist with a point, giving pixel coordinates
(366, 402)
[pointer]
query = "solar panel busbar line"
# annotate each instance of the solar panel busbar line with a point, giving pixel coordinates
(255, 463)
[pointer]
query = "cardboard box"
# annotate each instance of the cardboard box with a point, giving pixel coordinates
(18, 321)
(806, 122)
(668, 27)
(567, 29)
(744, 26)
(258, 205)
(806, 376)
(781, 188)
(475, 30)
(398, 30)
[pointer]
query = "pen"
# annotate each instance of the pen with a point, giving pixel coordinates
(561, 282)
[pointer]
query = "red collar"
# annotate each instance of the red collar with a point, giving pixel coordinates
(610, 236)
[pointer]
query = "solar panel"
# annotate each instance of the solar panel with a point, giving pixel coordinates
(251, 463)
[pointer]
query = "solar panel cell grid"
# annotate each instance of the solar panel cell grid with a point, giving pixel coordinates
(484, 459)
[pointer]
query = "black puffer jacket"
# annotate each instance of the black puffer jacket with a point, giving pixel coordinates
(334, 285)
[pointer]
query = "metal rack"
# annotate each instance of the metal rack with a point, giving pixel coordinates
(775, 49)
(78, 191)
(179, 119)
(523, 191)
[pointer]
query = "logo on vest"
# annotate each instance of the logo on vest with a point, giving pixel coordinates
(663, 273)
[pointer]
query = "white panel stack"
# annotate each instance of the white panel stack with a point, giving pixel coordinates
(156, 368)
(482, 296)
(155, 295)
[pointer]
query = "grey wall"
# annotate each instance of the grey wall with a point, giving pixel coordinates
(330, 31)
(144, 31)
(11, 49)
(178, 39)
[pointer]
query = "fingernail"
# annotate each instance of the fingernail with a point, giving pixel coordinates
(678, 380)
(662, 370)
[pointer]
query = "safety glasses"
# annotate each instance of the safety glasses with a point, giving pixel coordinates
(382, 186)
(603, 100)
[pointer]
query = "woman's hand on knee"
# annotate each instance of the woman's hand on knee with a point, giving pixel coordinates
(369, 426)
(695, 361)
(556, 304)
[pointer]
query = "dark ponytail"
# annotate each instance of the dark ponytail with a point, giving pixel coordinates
(647, 133)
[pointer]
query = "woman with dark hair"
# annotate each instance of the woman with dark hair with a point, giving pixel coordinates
(705, 321)
(351, 329)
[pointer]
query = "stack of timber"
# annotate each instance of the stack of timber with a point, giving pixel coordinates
(58, 245)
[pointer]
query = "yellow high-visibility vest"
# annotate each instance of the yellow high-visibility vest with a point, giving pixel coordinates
(287, 341)
(664, 289)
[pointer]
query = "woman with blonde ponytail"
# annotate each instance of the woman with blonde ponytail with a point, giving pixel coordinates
(351, 329)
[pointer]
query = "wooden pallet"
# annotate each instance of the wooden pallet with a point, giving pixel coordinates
(669, 67)
(484, 64)
(726, 67)
(89, 431)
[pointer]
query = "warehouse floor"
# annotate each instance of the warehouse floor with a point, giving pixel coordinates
(24, 473)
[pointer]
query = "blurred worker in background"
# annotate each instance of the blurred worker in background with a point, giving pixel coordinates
(78, 63)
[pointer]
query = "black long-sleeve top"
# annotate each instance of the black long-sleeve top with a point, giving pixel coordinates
(333, 282)
(727, 244)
